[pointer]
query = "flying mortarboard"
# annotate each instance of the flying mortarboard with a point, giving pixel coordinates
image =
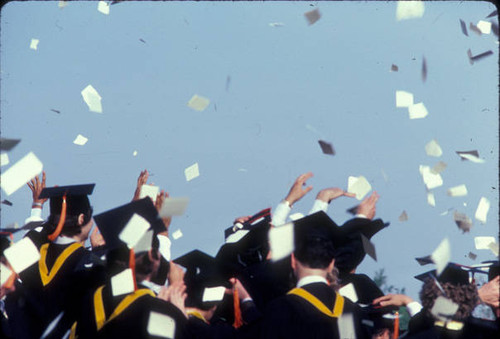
(8, 144)
(453, 273)
(131, 219)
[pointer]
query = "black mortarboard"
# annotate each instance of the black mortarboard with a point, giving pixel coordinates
(111, 223)
(202, 272)
(366, 289)
(4, 241)
(453, 274)
(8, 144)
(318, 224)
(252, 248)
(425, 260)
(493, 269)
(363, 225)
(262, 216)
(76, 198)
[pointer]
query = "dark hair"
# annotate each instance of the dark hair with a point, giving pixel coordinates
(465, 295)
(314, 251)
(144, 266)
(71, 227)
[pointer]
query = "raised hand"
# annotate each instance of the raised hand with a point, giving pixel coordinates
(297, 191)
(392, 300)
(329, 194)
(368, 206)
(142, 180)
(36, 186)
(160, 199)
(175, 294)
(489, 292)
(96, 238)
(176, 274)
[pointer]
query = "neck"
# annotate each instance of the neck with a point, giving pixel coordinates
(302, 272)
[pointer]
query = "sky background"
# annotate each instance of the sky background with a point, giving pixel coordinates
(289, 87)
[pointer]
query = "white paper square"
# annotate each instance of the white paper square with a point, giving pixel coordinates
(198, 103)
(134, 154)
(431, 180)
(20, 173)
(149, 191)
(348, 291)
(4, 159)
(192, 172)
(457, 191)
(22, 255)
(433, 149)
(5, 273)
(484, 26)
(444, 308)
(236, 236)
(296, 216)
(281, 241)
(161, 325)
(441, 255)
(276, 24)
(483, 243)
(494, 248)
(346, 326)
(103, 7)
(145, 243)
(62, 4)
(177, 234)
(134, 230)
(34, 44)
(173, 206)
(404, 99)
(409, 10)
(122, 283)
(431, 200)
(417, 111)
(403, 216)
(359, 186)
(213, 293)
(80, 140)
(482, 210)
(92, 99)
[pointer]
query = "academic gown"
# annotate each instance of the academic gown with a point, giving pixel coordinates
(199, 328)
(133, 321)
(291, 316)
(38, 301)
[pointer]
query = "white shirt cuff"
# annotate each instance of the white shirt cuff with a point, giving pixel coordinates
(362, 216)
(413, 308)
(280, 213)
(36, 215)
(319, 205)
(164, 246)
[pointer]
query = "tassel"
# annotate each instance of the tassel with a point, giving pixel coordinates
(395, 334)
(131, 264)
(10, 281)
(60, 225)
(238, 320)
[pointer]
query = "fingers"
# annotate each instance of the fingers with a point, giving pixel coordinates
(351, 195)
(43, 179)
(381, 299)
(308, 189)
(303, 177)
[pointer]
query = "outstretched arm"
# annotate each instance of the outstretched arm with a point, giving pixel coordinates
(297, 192)
(325, 196)
(142, 180)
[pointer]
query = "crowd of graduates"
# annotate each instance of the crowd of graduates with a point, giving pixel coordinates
(124, 286)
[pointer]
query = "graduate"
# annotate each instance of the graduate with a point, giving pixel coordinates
(313, 309)
(54, 285)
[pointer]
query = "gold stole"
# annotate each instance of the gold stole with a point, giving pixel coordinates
(47, 276)
(337, 308)
(100, 315)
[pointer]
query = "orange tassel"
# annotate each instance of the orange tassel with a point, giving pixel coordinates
(395, 334)
(238, 320)
(131, 264)
(10, 281)
(60, 225)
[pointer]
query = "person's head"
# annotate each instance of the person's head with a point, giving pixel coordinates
(464, 295)
(316, 252)
(147, 265)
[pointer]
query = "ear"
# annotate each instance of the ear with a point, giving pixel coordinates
(81, 219)
(294, 261)
(332, 264)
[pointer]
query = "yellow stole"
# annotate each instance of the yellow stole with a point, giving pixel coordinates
(337, 308)
(47, 276)
(100, 315)
(198, 315)
(451, 325)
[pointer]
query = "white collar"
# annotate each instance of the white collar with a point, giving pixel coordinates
(152, 286)
(61, 240)
(311, 279)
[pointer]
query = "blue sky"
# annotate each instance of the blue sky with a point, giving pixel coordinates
(289, 87)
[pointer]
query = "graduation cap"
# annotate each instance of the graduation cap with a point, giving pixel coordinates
(8, 144)
(453, 273)
(67, 201)
(204, 279)
(318, 224)
(364, 226)
(5, 241)
(262, 216)
(129, 224)
(365, 288)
